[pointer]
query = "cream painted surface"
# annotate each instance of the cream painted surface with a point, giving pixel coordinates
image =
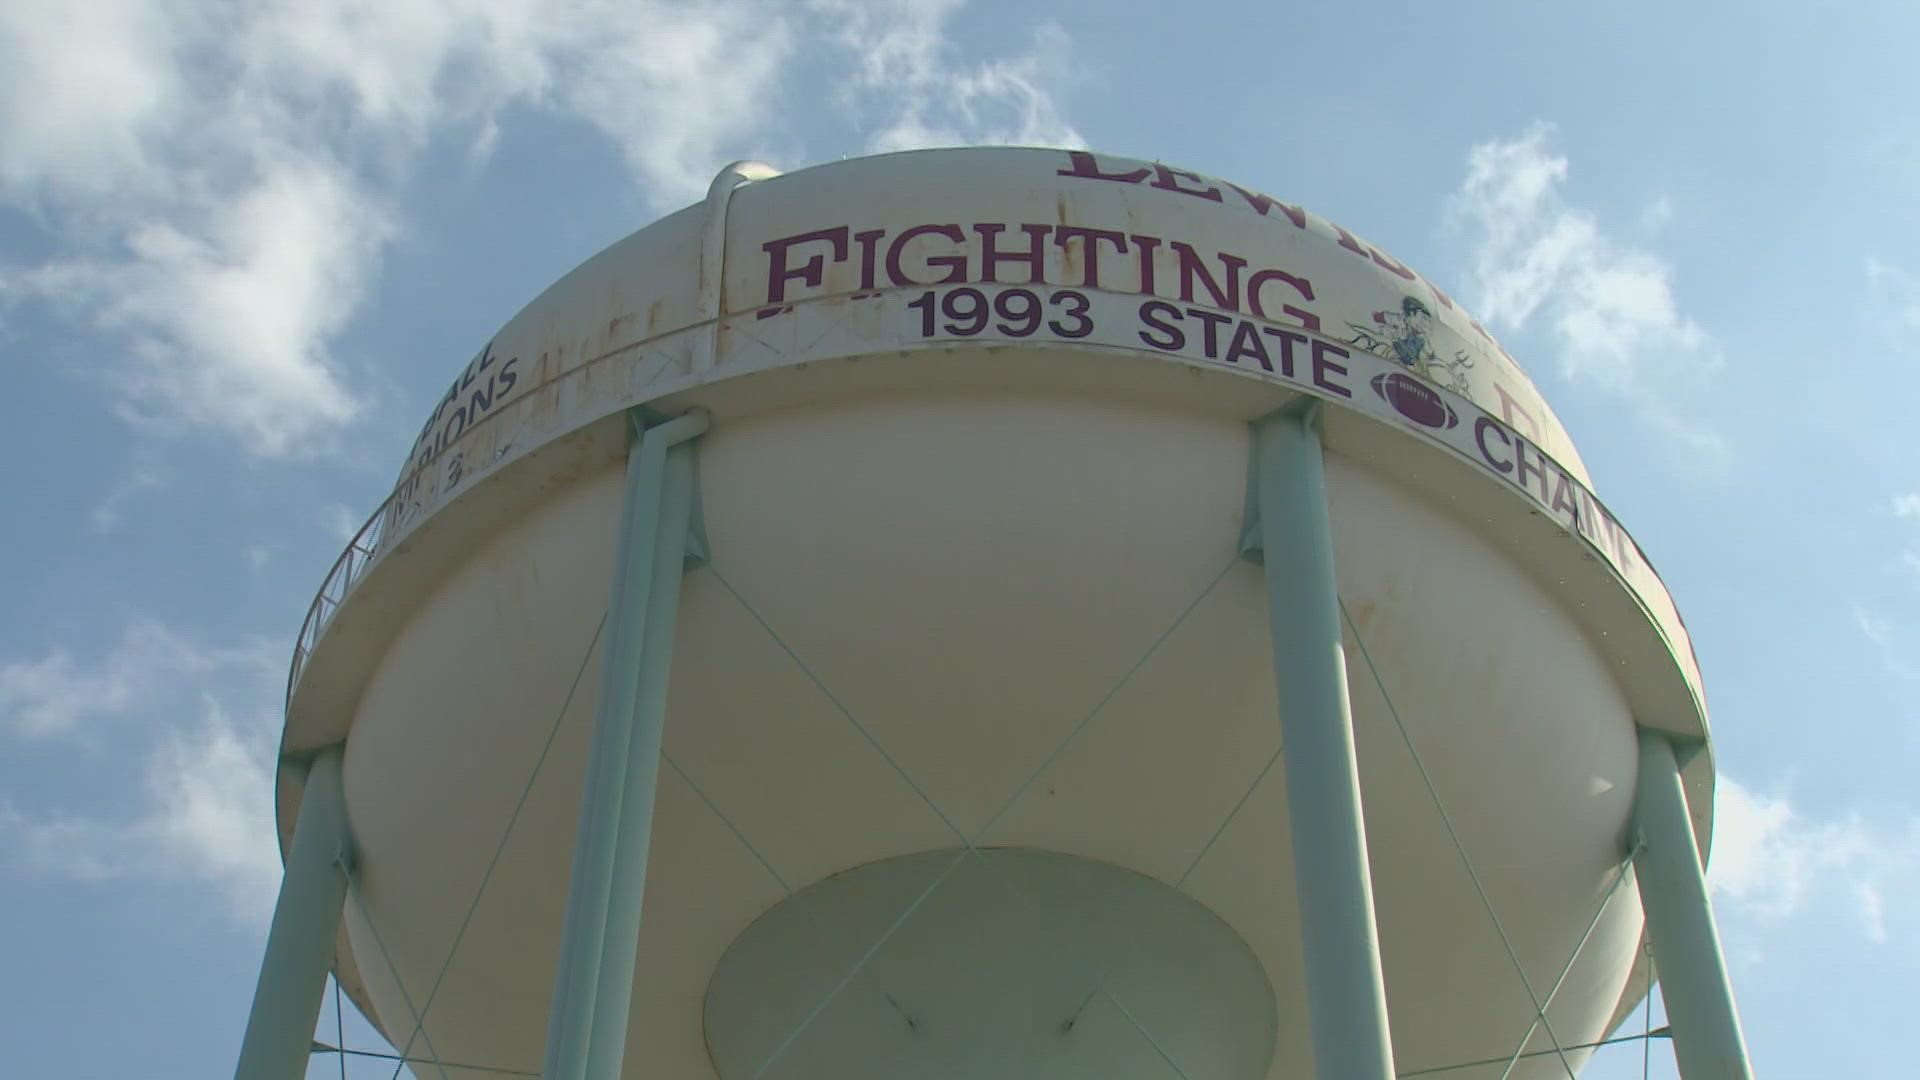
(969, 575)
(976, 545)
(622, 329)
(1018, 956)
(639, 294)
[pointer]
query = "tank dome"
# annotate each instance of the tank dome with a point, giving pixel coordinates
(972, 622)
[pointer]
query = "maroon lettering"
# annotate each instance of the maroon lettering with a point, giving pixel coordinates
(1299, 284)
(1146, 244)
(1390, 265)
(1264, 203)
(1084, 166)
(1585, 519)
(1247, 343)
(1616, 541)
(1563, 498)
(1525, 466)
(1192, 269)
(1612, 530)
(1516, 415)
(991, 256)
(1162, 316)
(811, 272)
(1090, 248)
(955, 265)
(1211, 337)
(1480, 429)
(1168, 179)
(1626, 550)
(1349, 241)
(1288, 339)
(868, 240)
(1353, 244)
(479, 363)
(1322, 367)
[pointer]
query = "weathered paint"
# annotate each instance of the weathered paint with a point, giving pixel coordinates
(969, 476)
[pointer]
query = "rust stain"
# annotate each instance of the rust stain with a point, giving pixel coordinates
(654, 311)
(1069, 260)
(1362, 612)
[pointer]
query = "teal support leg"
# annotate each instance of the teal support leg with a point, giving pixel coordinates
(1707, 1040)
(1346, 993)
(306, 921)
(629, 879)
(587, 1027)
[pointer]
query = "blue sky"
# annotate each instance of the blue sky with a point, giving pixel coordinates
(243, 246)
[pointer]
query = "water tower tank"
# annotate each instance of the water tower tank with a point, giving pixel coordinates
(972, 764)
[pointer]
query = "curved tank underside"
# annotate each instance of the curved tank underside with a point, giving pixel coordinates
(985, 590)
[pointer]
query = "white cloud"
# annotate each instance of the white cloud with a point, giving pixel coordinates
(106, 513)
(208, 227)
(50, 695)
(225, 175)
(340, 522)
(203, 808)
(84, 83)
(211, 790)
(207, 818)
(680, 90)
(56, 695)
(1609, 306)
(1761, 857)
(1771, 863)
(226, 304)
(911, 72)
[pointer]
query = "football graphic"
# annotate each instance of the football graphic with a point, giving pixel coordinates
(1415, 400)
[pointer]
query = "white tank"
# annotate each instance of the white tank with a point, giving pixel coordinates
(973, 501)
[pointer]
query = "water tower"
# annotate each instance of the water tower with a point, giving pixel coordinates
(993, 613)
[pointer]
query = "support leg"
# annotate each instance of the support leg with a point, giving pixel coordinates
(586, 1033)
(1707, 1040)
(1346, 992)
(306, 921)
